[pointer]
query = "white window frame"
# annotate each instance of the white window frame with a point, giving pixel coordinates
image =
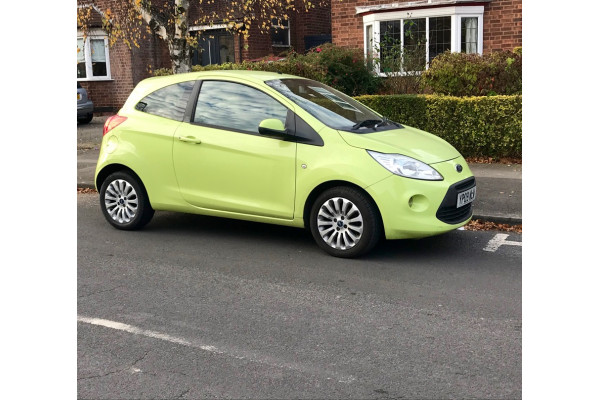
(283, 27)
(96, 34)
(366, 39)
(479, 31)
(454, 12)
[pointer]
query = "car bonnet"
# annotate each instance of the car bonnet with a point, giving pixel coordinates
(407, 141)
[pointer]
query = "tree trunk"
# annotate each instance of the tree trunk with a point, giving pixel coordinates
(179, 46)
(179, 50)
(176, 40)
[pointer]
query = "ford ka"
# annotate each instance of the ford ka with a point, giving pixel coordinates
(275, 148)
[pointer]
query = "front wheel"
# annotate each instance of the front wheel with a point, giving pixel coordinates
(124, 201)
(345, 223)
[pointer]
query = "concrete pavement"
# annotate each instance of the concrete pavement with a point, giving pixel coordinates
(499, 186)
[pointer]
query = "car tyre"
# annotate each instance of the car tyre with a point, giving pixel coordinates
(345, 222)
(86, 120)
(124, 201)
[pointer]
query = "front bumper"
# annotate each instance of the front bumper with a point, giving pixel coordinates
(412, 208)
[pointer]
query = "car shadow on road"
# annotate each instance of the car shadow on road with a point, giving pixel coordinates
(262, 235)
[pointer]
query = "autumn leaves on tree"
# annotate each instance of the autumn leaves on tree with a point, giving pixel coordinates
(132, 21)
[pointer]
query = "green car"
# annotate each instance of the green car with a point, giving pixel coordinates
(276, 148)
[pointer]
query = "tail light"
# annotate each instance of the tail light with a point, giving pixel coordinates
(112, 122)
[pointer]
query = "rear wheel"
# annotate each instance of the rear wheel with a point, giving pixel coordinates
(124, 201)
(345, 223)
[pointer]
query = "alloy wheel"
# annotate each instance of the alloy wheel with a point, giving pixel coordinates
(121, 201)
(340, 223)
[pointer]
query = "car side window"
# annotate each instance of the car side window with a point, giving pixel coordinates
(235, 106)
(168, 102)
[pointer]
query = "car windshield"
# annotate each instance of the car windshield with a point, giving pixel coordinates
(331, 107)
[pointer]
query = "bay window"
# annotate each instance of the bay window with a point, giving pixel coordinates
(402, 38)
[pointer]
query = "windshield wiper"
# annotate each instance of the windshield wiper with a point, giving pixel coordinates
(366, 122)
(388, 121)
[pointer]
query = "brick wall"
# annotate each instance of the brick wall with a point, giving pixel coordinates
(258, 45)
(346, 26)
(317, 21)
(502, 25)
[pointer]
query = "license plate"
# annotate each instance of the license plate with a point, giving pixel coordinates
(78, 96)
(466, 197)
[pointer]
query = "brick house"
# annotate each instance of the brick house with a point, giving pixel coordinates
(109, 73)
(458, 25)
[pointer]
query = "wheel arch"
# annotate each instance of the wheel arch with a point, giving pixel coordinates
(328, 185)
(112, 168)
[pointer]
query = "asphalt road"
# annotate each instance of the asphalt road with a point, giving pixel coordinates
(197, 307)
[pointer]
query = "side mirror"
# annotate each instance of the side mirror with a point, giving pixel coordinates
(273, 127)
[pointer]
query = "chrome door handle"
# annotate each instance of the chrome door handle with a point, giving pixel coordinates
(190, 139)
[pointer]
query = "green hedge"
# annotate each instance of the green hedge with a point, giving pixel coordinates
(475, 126)
(461, 74)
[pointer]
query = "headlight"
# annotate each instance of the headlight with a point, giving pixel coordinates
(406, 166)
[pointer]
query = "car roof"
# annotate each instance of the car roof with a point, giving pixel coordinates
(259, 76)
(255, 76)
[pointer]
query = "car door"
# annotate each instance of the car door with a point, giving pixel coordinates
(223, 163)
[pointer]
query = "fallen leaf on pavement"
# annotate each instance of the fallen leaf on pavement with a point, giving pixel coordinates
(479, 225)
(86, 190)
(493, 160)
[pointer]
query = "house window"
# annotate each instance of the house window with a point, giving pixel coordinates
(440, 36)
(280, 33)
(407, 37)
(92, 58)
(215, 46)
(369, 45)
(403, 45)
(389, 50)
(414, 50)
(468, 35)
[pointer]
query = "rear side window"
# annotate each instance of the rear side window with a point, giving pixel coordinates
(168, 102)
(234, 106)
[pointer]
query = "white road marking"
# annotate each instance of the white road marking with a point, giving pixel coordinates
(499, 240)
(240, 355)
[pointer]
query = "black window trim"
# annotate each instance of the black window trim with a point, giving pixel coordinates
(188, 115)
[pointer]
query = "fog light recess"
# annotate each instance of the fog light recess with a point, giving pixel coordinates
(418, 203)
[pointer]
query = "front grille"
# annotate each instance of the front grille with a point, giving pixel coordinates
(448, 212)
(464, 185)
